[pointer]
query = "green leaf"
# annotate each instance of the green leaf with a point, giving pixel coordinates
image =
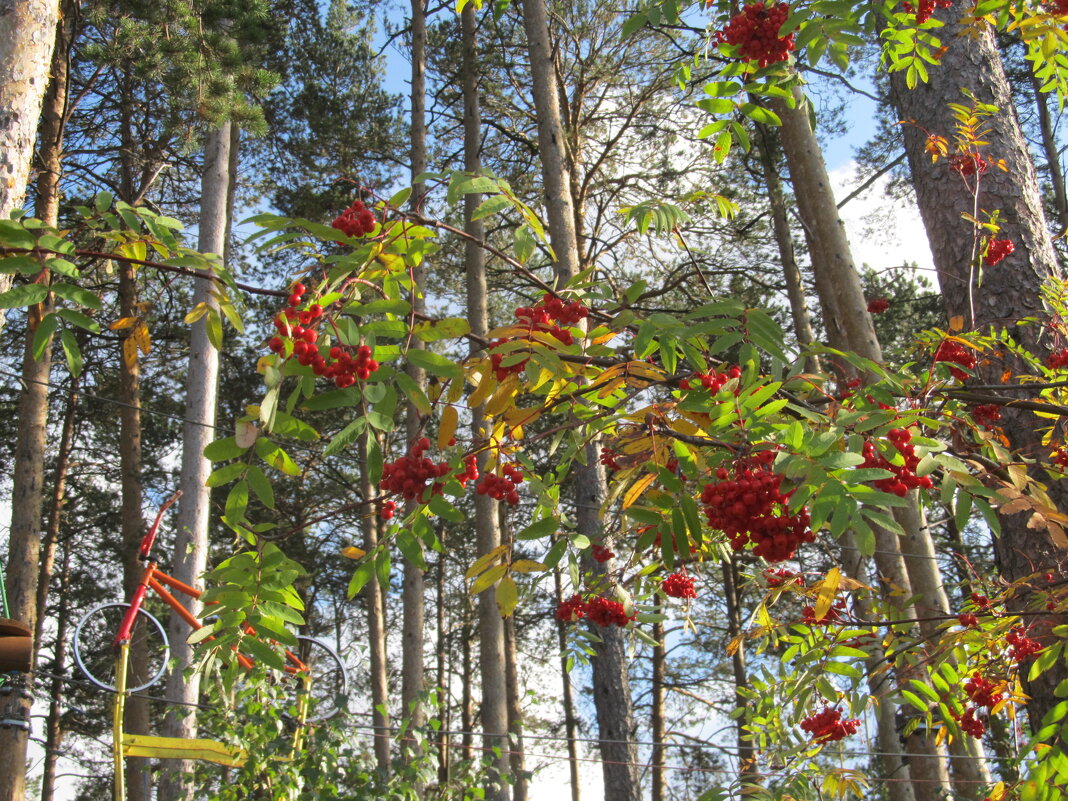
(435, 363)
(360, 576)
(274, 455)
(760, 114)
(23, 295)
(72, 352)
(81, 320)
(435, 330)
(103, 201)
(345, 436)
(237, 501)
(540, 528)
(226, 474)
(43, 335)
(442, 508)
(492, 206)
(261, 485)
(222, 449)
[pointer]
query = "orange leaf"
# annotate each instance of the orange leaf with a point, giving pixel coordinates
(956, 323)
(352, 552)
(123, 322)
(129, 352)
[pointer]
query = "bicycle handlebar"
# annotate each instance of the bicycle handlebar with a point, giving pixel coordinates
(150, 537)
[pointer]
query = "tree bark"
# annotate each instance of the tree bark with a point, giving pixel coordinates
(487, 529)
(849, 328)
(27, 39)
(748, 772)
(784, 240)
(567, 699)
(54, 721)
(413, 589)
(657, 724)
(191, 539)
(374, 597)
(1009, 292)
(520, 784)
(611, 684)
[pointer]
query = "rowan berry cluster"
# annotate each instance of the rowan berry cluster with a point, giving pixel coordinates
(776, 577)
(1058, 360)
(878, 306)
(925, 8)
(601, 554)
(387, 510)
(679, 585)
(827, 725)
(298, 328)
(955, 353)
(751, 508)
(415, 477)
(1060, 458)
(571, 610)
(502, 488)
(983, 692)
(831, 616)
(601, 611)
(904, 476)
(967, 619)
(1022, 645)
(997, 250)
(608, 459)
(970, 724)
(357, 220)
(755, 31)
(548, 315)
(987, 415)
(712, 381)
(605, 612)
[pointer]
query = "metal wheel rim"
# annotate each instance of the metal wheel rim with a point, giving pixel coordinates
(111, 687)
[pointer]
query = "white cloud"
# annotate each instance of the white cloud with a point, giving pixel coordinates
(883, 231)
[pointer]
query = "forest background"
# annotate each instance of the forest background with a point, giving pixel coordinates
(656, 153)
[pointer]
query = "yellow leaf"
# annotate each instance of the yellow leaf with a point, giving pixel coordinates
(485, 561)
(129, 352)
(456, 391)
(941, 736)
(488, 579)
(734, 644)
(123, 322)
(604, 338)
(447, 428)
(637, 489)
(485, 387)
(142, 338)
(956, 323)
(507, 332)
(502, 398)
(352, 552)
(507, 596)
(828, 589)
(528, 566)
(197, 312)
(611, 386)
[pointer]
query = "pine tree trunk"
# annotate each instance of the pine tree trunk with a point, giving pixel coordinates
(517, 760)
(849, 328)
(413, 589)
(54, 722)
(191, 539)
(1007, 294)
(487, 530)
(611, 685)
(567, 699)
(442, 638)
(27, 38)
(375, 600)
(795, 289)
(748, 770)
(1053, 156)
(657, 723)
